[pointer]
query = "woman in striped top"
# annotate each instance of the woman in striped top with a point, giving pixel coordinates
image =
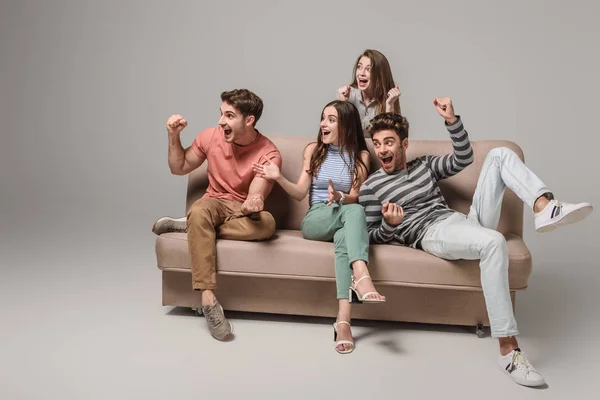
(333, 170)
(373, 90)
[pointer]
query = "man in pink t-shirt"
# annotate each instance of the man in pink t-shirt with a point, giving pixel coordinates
(232, 207)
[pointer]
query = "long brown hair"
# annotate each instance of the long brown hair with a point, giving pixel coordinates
(352, 140)
(382, 80)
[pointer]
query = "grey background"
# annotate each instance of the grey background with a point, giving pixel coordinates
(85, 90)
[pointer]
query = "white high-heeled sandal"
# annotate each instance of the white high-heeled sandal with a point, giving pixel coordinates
(338, 342)
(356, 298)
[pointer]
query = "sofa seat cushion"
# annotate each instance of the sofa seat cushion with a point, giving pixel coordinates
(289, 255)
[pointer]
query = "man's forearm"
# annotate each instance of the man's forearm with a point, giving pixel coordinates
(383, 233)
(260, 187)
(462, 154)
(176, 155)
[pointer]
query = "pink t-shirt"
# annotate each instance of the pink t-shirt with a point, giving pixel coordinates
(230, 165)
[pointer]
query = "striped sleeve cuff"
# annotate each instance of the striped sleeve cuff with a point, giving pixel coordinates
(456, 128)
(387, 229)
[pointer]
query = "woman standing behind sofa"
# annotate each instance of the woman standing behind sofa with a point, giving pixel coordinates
(333, 169)
(373, 90)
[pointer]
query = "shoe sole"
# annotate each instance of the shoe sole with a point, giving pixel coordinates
(368, 301)
(574, 216)
(353, 298)
(228, 336)
(522, 382)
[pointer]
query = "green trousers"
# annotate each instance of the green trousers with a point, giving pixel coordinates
(346, 226)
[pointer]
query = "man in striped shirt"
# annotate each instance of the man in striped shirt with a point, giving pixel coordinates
(403, 203)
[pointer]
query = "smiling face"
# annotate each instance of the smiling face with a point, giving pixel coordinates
(363, 73)
(329, 126)
(390, 150)
(234, 123)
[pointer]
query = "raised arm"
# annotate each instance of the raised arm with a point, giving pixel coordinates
(392, 100)
(297, 190)
(462, 154)
(181, 161)
(343, 93)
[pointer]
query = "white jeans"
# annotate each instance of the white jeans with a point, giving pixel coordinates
(474, 237)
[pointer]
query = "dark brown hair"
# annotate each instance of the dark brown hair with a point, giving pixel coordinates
(382, 80)
(244, 100)
(389, 121)
(351, 136)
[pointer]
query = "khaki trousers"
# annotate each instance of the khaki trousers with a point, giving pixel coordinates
(209, 219)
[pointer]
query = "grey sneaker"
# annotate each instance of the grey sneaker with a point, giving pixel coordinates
(168, 224)
(219, 327)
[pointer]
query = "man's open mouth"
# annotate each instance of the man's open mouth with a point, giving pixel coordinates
(386, 161)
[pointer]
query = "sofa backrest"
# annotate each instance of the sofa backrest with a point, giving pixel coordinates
(457, 190)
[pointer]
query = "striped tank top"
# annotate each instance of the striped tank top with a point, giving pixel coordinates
(335, 167)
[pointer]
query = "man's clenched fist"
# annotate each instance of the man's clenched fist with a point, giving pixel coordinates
(392, 213)
(253, 204)
(444, 107)
(175, 124)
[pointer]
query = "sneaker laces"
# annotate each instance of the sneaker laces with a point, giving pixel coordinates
(173, 226)
(214, 317)
(520, 362)
(559, 208)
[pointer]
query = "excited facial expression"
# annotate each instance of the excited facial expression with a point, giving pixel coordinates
(233, 122)
(363, 73)
(390, 151)
(329, 126)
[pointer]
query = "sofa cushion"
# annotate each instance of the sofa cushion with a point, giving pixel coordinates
(291, 256)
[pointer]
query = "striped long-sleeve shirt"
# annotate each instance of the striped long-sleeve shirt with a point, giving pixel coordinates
(416, 190)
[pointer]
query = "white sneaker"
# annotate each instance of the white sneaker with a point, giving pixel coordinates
(168, 224)
(520, 370)
(558, 213)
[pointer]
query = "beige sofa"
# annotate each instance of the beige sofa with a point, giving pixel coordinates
(291, 275)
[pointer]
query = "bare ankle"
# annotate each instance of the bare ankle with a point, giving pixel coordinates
(540, 203)
(508, 344)
(360, 269)
(208, 297)
(344, 311)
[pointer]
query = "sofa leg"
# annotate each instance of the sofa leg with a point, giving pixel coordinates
(479, 330)
(197, 311)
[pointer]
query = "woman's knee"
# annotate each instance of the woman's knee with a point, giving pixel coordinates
(355, 210)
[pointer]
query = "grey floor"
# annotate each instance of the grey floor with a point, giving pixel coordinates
(72, 328)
